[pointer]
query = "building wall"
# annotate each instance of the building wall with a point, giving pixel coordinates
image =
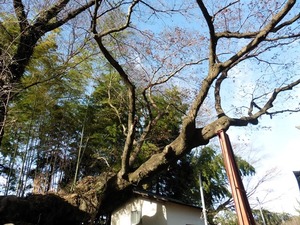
(123, 215)
(153, 213)
(156, 212)
(183, 215)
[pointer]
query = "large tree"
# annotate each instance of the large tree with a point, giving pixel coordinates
(231, 37)
(153, 44)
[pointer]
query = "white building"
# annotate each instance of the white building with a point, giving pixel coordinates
(148, 209)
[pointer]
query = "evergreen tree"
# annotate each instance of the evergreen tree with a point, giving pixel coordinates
(45, 119)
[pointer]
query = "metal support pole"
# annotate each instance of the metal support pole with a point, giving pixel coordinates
(202, 200)
(242, 206)
(261, 212)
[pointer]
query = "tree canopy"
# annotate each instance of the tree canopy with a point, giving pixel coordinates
(100, 96)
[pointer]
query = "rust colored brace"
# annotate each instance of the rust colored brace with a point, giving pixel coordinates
(239, 195)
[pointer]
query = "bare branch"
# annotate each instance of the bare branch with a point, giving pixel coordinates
(225, 7)
(286, 23)
(125, 25)
(102, 158)
(230, 34)
(47, 15)
(115, 109)
(20, 12)
(176, 71)
(225, 122)
(69, 16)
(213, 39)
(131, 111)
(261, 35)
(144, 136)
(269, 103)
(218, 105)
(131, 123)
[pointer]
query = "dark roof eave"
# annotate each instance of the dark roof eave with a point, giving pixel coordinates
(149, 195)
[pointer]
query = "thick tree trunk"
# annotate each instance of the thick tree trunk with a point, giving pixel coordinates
(101, 194)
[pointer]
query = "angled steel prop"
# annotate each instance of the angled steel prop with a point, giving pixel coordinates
(239, 195)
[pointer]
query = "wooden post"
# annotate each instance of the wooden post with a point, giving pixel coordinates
(242, 206)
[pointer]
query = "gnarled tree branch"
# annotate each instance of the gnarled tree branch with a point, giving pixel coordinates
(131, 120)
(261, 35)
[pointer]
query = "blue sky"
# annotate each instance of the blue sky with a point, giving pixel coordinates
(278, 150)
(275, 143)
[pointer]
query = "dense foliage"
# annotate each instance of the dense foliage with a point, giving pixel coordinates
(98, 97)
